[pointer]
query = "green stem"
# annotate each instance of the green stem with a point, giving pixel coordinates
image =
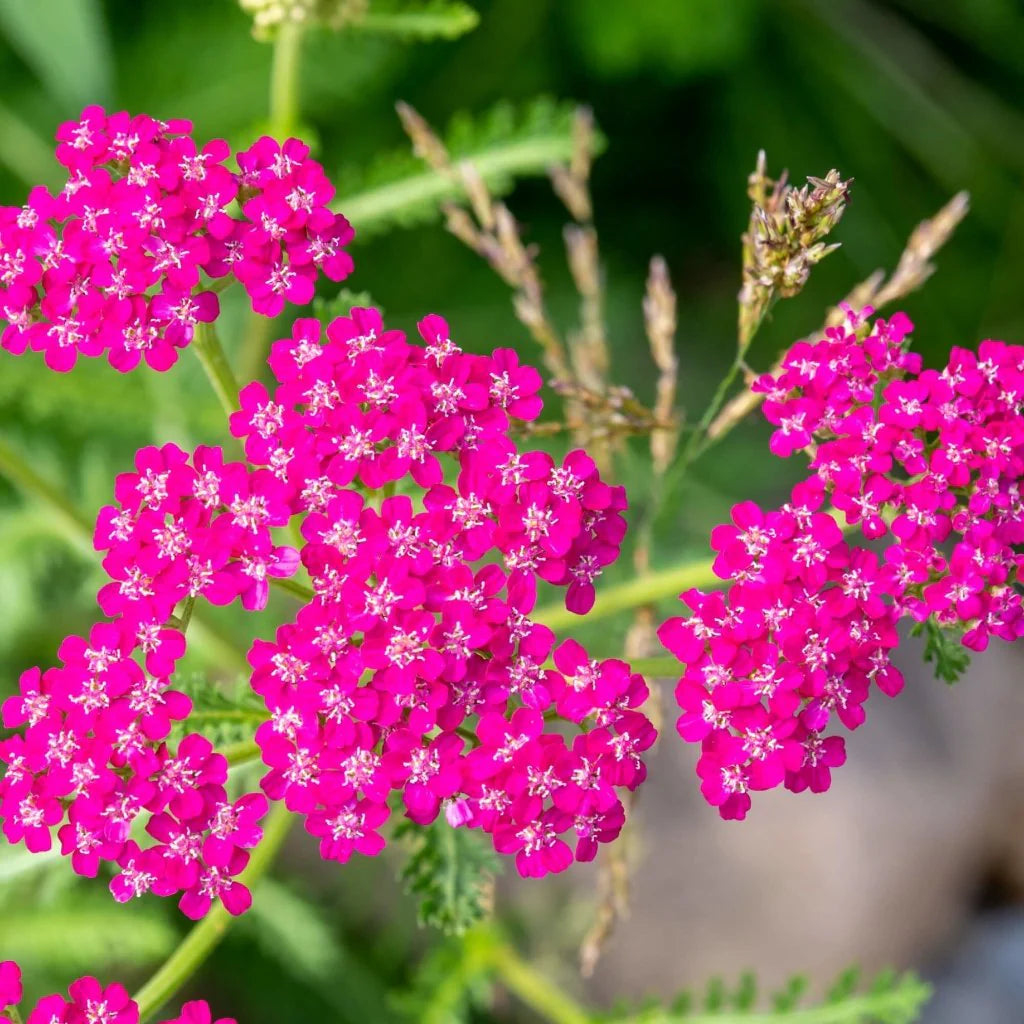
(657, 668)
(648, 588)
(293, 587)
(532, 988)
(632, 593)
(232, 715)
(206, 345)
(240, 753)
(284, 81)
(696, 439)
(186, 613)
(255, 345)
(222, 284)
(697, 443)
(204, 937)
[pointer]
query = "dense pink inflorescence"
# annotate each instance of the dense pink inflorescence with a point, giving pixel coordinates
(93, 754)
(414, 668)
(88, 1002)
(115, 262)
(932, 461)
(418, 638)
(928, 462)
(793, 647)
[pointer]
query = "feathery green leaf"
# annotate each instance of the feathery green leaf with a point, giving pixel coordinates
(449, 869)
(341, 304)
(226, 714)
(398, 191)
(890, 999)
(943, 647)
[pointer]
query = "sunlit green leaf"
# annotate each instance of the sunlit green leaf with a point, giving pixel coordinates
(504, 145)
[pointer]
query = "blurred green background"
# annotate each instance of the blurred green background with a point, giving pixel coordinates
(914, 99)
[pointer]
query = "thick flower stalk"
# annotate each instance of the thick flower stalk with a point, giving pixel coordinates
(119, 261)
(88, 1001)
(925, 462)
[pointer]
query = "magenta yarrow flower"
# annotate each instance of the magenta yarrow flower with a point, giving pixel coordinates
(930, 460)
(88, 1002)
(10, 984)
(418, 638)
(117, 262)
(927, 462)
(93, 754)
(414, 669)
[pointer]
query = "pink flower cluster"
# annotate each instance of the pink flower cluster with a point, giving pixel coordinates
(931, 460)
(793, 647)
(188, 527)
(92, 756)
(418, 638)
(114, 262)
(88, 1002)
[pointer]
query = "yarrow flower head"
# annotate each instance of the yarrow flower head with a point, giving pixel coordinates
(118, 261)
(418, 639)
(931, 462)
(93, 753)
(930, 459)
(88, 1002)
(414, 668)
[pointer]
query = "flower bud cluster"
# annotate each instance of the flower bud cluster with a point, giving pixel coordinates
(785, 238)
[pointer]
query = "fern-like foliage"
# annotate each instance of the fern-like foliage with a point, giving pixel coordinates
(450, 870)
(326, 310)
(503, 145)
(419, 19)
(889, 999)
(943, 647)
(226, 714)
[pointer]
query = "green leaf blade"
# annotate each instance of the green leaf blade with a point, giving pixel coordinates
(65, 43)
